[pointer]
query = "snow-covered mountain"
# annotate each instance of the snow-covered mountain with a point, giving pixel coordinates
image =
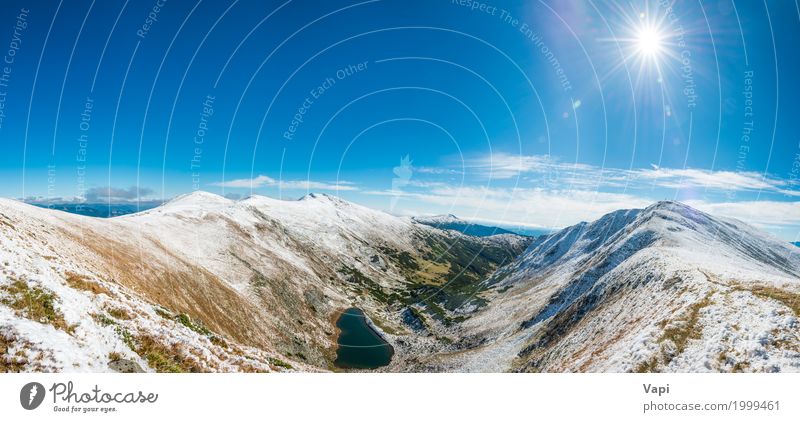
(206, 283)
(667, 288)
(203, 283)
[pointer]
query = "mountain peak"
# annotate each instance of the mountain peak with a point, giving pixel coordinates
(324, 197)
(439, 219)
(316, 195)
(198, 198)
(672, 206)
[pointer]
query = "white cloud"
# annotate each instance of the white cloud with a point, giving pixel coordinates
(758, 213)
(262, 181)
(506, 166)
(555, 194)
(556, 209)
(256, 182)
(309, 185)
(546, 170)
(530, 207)
(724, 180)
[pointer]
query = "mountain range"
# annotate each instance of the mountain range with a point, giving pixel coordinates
(451, 222)
(204, 283)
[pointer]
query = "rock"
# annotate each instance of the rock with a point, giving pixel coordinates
(125, 366)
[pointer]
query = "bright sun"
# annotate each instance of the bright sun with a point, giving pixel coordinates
(648, 41)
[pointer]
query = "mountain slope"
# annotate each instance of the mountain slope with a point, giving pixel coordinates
(203, 283)
(667, 288)
(258, 282)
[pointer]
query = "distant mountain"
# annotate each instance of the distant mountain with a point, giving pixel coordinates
(667, 288)
(99, 209)
(796, 244)
(451, 222)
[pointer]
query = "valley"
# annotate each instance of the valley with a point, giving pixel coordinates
(204, 283)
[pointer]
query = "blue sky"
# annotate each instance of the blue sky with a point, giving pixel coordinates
(533, 113)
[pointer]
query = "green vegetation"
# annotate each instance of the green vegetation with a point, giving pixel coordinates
(127, 338)
(353, 275)
(158, 356)
(194, 325)
(103, 320)
(279, 363)
(446, 274)
(36, 304)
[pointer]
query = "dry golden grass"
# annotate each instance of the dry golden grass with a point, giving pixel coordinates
(788, 299)
(171, 282)
(685, 329)
(164, 358)
(77, 281)
(679, 332)
(119, 313)
(9, 362)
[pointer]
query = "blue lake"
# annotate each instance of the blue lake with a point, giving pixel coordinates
(360, 347)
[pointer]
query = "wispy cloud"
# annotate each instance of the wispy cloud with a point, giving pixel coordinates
(266, 181)
(310, 185)
(723, 180)
(546, 170)
(106, 194)
(528, 207)
(112, 194)
(554, 194)
(506, 166)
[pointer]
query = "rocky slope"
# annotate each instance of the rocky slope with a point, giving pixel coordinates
(203, 283)
(667, 288)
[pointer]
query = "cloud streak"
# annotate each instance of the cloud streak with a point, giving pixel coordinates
(544, 191)
(266, 181)
(544, 169)
(111, 194)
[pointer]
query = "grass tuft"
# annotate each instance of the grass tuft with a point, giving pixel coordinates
(8, 362)
(279, 363)
(36, 304)
(163, 358)
(678, 332)
(119, 313)
(77, 281)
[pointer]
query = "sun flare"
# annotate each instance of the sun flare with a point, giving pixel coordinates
(649, 41)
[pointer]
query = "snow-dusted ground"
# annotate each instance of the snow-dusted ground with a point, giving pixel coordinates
(36, 255)
(265, 275)
(222, 285)
(662, 289)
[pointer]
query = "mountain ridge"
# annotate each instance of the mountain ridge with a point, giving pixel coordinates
(637, 290)
(451, 222)
(260, 273)
(210, 284)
